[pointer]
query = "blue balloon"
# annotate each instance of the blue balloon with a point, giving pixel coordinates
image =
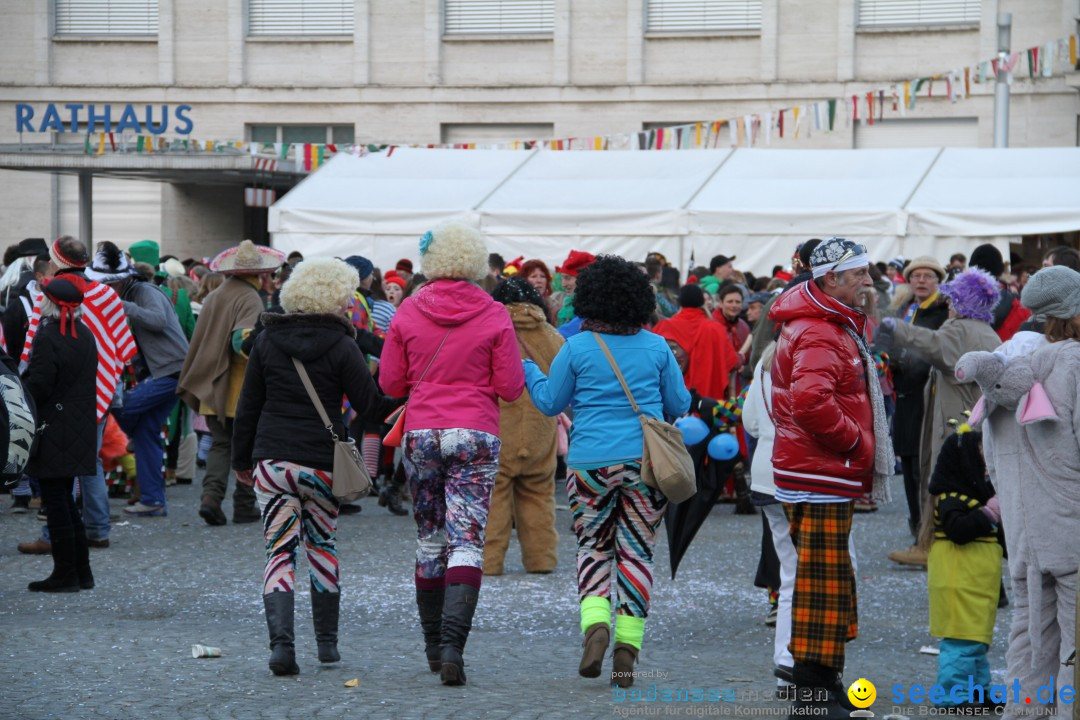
(694, 429)
(723, 447)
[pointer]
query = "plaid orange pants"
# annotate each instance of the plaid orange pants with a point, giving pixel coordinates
(823, 607)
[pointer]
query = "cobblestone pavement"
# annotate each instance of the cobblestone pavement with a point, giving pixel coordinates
(123, 650)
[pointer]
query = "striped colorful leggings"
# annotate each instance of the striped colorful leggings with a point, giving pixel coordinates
(297, 501)
(615, 519)
(451, 475)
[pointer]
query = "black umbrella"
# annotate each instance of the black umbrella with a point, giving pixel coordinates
(683, 520)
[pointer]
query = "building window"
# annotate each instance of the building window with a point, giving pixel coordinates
(498, 17)
(882, 13)
(335, 134)
(919, 133)
(107, 17)
(300, 17)
(702, 15)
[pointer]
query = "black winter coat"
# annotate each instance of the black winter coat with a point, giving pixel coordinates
(62, 378)
(275, 419)
(910, 375)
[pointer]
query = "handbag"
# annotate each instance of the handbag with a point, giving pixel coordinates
(665, 463)
(396, 419)
(351, 480)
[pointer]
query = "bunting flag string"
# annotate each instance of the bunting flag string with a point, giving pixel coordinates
(745, 130)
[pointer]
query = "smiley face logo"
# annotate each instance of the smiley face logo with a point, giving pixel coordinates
(862, 693)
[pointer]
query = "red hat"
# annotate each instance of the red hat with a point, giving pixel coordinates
(66, 291)
(575, 261)
(783, 275)
(393, 280)
(404, 265)
(515, 263)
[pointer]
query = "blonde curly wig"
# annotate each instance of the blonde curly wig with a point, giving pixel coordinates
(454, 250)
(319, 285)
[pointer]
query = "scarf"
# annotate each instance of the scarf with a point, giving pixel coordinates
(884, 457)
(608, 328)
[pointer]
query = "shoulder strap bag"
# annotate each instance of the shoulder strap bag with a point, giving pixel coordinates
(665, 463)
(351, 480)
(396, 419)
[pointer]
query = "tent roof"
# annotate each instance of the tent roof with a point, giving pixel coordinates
(864, 193)
(811, 192)
(974, 192)
(405, 192)
(607, 193)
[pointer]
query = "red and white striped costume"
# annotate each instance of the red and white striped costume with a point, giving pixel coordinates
(104, 314)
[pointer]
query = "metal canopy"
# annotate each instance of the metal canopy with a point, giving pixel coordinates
(205, 168)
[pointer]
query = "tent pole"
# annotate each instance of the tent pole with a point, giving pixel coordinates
(686, 206)
(506, 179)
(1001, 89)
(86, 211)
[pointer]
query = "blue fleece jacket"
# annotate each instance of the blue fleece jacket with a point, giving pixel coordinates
(606, 430)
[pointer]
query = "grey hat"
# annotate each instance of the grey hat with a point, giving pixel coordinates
(759, 297)
(1053, 292)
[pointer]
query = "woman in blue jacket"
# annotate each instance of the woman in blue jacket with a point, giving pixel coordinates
(615, 514)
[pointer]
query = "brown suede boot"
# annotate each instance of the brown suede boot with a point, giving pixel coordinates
(622, 664)
(595, 647)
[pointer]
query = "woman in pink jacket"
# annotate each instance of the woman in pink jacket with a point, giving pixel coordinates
(452, 349)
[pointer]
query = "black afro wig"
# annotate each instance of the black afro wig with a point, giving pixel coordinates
(515, 289)
(614, 290)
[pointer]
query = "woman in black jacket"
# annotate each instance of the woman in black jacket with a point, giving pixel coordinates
(62, 378)
(282, 447)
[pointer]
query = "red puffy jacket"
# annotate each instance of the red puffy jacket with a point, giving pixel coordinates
(821, 406)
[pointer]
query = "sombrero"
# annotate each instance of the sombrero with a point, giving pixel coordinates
(247, 258)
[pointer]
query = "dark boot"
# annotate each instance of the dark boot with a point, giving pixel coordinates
(430, 605)
(458, 608)
(325, 610)
(743, 506)
(815, 693)
(390, 495)
(622, 664)
(279, 621)
(64, 577)
(82, 560)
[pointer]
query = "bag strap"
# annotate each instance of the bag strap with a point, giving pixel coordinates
(432, 360)
(304, 378)
(618, 373)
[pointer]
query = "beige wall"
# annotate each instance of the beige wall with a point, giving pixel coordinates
(396, 79)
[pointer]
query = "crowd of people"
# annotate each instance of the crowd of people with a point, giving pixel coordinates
(825, 378)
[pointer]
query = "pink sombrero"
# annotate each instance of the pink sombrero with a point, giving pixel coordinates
(247, 258)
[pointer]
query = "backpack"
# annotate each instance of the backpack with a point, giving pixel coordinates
(18, 426)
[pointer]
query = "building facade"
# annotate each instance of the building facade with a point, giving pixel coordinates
(431, 71)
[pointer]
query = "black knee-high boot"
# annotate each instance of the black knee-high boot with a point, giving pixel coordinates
(279, 621)
(325, 611)
(430, 605)
(459, 605)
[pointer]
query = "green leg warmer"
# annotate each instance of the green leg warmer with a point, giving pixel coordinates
(595, 610)
(629, 630)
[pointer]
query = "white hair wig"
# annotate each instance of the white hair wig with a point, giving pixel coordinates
(49, 309)
(454, 250)
(319, 285)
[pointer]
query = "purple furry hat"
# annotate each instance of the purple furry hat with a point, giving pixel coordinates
(972, 294)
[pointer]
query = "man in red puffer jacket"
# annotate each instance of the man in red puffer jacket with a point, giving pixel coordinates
(823, 459)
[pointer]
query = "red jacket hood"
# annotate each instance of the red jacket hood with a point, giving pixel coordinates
(452, 302)
(808, 301)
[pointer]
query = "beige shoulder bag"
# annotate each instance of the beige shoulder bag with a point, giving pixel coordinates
(665, 463)
(351, 480)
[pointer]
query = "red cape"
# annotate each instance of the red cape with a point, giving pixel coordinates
(712, 357)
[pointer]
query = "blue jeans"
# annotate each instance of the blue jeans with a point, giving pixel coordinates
(145, 408)
(95, 498)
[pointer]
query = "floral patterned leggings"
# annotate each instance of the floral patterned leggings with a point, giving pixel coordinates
(451, 474)
(297, 502)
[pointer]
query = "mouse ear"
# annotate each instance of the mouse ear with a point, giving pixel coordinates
(1036, 406)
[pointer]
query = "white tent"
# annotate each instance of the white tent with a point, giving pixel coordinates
(756, 204)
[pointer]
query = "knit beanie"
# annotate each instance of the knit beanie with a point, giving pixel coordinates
(1053, 292)
(60, 260)
(363, 266)
(691, 296)
(989, 259)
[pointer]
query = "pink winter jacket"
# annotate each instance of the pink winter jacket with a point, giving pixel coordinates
(479, 363)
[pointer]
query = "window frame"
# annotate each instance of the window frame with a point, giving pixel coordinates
(917, 25)
(703, 31)
(499, 34)
(345, 35)
(279, 131)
